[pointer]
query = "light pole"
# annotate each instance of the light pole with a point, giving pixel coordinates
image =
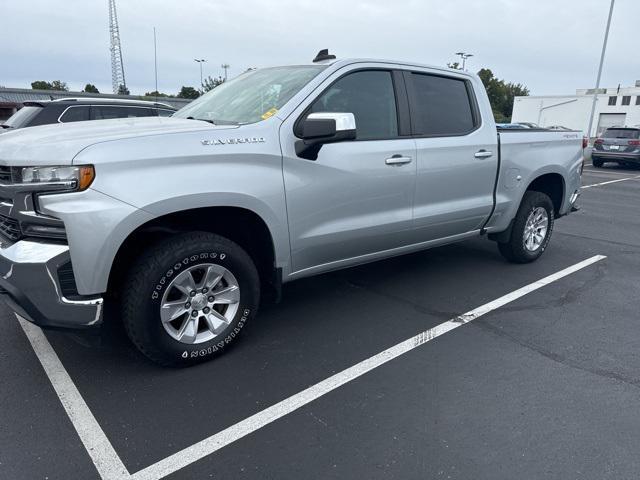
(604, 49)
(463, 56)
(225, 67)
(200, 61)
(155, 60)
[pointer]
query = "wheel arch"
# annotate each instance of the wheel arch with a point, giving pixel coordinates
(551, 184)
(242, 225)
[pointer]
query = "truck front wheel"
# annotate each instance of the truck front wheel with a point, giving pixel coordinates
(189, 297)
(531, 229)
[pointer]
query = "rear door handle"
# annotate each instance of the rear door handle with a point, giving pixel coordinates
(397, 160)
(483, 154)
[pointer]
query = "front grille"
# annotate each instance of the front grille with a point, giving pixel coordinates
(10, 228)
(5, 174)
(67, 281)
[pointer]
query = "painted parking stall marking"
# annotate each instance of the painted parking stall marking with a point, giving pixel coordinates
(611, 181)
(110, 466)
(102, 453)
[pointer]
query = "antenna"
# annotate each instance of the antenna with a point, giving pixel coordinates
(117, 66)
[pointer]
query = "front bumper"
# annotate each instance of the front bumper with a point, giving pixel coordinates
(30, 286)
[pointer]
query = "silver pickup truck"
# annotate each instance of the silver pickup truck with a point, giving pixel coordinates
(183, 224)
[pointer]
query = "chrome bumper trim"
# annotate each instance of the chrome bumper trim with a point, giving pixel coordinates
(30, 286)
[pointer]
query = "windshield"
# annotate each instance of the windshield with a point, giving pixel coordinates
(251, 97)
(22, 117)
(621, 133)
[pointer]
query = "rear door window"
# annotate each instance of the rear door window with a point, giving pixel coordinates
(75, 114)
(441, 106)
(106, 112)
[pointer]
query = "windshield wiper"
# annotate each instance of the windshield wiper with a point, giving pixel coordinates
(202, 120)
(6, 126)
(215, 121)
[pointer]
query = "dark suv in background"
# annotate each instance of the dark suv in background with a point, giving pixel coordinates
(617, 144)
(79, 109)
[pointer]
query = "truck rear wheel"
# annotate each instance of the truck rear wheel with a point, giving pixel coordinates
(189, 297)
(531, 229)
(597, 163)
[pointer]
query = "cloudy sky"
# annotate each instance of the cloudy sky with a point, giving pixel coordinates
(551, 46)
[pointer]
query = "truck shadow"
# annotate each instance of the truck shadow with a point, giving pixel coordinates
(419, 283)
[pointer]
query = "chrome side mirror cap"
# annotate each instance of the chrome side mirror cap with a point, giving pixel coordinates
(324, 127)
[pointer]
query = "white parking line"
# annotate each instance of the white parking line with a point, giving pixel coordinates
(611, 181)
(263, 418)
(109, 464)
(606, 172)
(104, 457)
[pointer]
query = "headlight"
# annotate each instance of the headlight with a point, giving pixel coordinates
(75, 178)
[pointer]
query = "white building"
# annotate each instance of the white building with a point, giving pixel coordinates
(615, 107)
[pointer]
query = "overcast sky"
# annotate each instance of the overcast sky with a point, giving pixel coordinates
(551, 46)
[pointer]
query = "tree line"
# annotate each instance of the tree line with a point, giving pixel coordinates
(208, 84)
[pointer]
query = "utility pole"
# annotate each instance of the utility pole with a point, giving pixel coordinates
(604, 49)
(225, 67)
(200, 61)
(155, 60)
(463, 56)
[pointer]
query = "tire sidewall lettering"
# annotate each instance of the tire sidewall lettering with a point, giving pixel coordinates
(187, 261)
(203, 352)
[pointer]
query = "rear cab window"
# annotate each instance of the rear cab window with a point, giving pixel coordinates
(441, 106)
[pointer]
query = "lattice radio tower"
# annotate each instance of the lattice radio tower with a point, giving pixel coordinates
(117, 67)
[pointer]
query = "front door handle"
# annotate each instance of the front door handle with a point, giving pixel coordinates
(483, 154)
(398, 160)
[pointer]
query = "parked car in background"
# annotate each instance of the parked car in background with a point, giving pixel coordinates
(559, 127)
(68, 110)
(617, 144)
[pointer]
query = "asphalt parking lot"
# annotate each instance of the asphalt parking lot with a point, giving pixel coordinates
(546, 386)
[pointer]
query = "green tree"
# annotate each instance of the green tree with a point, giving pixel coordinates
(90, 88)
(123, 90)
(44, 85)
(58, 85)
(210, 83)
(41, 85)
(501, 94)
(188, 92)
(156, 94)
(454, 65)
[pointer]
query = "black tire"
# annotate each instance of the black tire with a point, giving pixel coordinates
(151, 275)
(597, 163)
(514, 250)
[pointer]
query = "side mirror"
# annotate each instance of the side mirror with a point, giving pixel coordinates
(324, 127)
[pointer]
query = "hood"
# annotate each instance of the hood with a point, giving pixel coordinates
(59, 143)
